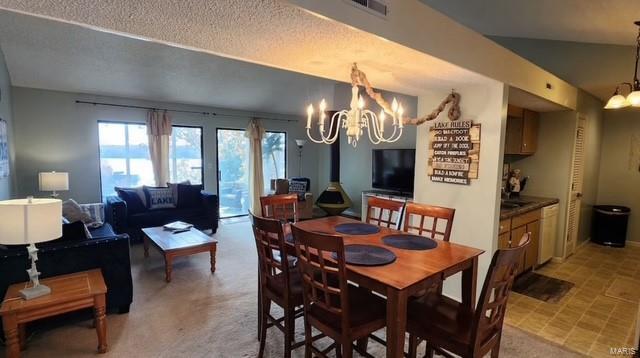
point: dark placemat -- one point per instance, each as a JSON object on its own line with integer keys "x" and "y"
{"x": 409, "y": 242}
{"x": 357, "y": 229}
{"x": 367, "y": 255}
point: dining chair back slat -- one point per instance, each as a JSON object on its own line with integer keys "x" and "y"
{"x": 384, "y": 212}
{"x": 282, "y": 207}
{"x": 270, "y": 244}
{"x": 324, "y": 281}
{"x": 492, "y": 306}
{"x": 434, "y": 222}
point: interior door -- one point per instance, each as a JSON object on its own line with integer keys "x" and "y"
{"x": 575, "y": 190}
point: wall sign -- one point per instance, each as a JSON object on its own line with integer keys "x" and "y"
{"x": 454, "y": 152}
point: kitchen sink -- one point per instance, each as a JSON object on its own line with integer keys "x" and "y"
{"x": 513, "y": 203}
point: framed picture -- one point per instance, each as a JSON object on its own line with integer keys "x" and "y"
{"x": 4, "y": 149}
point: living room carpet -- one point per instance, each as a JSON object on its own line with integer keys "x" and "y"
{"x": 203, "y": 315}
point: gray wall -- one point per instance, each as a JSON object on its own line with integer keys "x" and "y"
{"x": 52, "y": 132}
{"x": 550, "y": 167}
{"x": 619, "y": 170}
{"x": 6, "y": 184}
{"x": 355, "y": 163}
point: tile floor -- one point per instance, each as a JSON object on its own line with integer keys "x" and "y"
{"x": 586, "y": 319}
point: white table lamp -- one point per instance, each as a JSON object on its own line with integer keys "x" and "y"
{"x": 30, "y": 221}
{"x": 53, "y": 182}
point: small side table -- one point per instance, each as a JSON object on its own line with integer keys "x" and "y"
{"x": 68, "y": 293}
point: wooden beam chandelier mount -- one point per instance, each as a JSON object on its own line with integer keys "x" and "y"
{"x": 357, "y": 119}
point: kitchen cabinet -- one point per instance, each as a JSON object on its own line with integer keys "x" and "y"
{"x": 512, "y": 230}
{"x": 522, "y": 131}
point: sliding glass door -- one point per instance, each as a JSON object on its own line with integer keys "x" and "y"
{"x": 233, "y": 167}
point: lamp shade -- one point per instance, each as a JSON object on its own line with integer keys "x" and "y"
{"x": 29, "y": 221}
{"x": 634, "y": 98}
{"x": 53, "y": 181}
{"x": 301, "y": 142}
{"x": 617, "y": 101}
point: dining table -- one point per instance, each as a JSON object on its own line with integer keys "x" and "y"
{"x": 412, "y": 272}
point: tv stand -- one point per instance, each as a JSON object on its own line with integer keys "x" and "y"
{"x": 384, "y": 194}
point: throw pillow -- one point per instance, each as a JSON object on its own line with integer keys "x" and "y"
{"x": 189, "y": 196}
{"x": 159, "y": 198}
{"x": 132, "y": 198}
{"x": 96, "y": 212}
{"x": 174, "y": 189}
{"x": 72, "y": 211}
{"x": 298, "y": 187}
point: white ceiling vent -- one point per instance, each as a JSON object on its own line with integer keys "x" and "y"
{"x": 378, "y": 7}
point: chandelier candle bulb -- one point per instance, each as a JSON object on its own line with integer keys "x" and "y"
{"x": 358, "y": 119}
{"x": 309, "y": 115}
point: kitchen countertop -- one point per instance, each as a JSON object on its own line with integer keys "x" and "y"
{"x": 535, "y": 203}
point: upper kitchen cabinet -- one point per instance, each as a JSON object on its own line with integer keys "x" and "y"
{"x": 522, "y": 131}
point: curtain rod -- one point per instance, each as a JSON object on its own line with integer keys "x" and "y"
{"x": 179, "y": 111}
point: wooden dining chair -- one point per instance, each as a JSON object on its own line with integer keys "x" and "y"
{"x": 341, "y": 311}
{"x": 381, "y": 212}
{"x": 448, "y": 326}
{"x": 278, "y": 283}
{"x": 282, "y": 207}
{"x": 431, "y": 221}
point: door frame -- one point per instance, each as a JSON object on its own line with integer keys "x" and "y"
{"x": 567, "y": 251}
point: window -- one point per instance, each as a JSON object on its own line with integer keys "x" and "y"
{"x": 185, "y": 154}
{"x": 274, "y": 147}
{"x": 124, "y": 155}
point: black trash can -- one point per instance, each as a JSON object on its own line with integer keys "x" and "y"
{"x": 610, "y": 225}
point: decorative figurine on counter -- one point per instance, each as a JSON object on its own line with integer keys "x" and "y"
{"x": 516, "y": 184}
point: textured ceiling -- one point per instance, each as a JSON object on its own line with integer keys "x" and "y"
{"x": 594, "y": 21}
{"x": 267, "y": 32}
{"x": 42, "y": 53}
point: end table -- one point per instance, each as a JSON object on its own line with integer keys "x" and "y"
{"x": 68, "y": 293}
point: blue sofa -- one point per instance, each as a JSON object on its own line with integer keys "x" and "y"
{"x": 203, "y": 216}
{"x": 74, "y": 252}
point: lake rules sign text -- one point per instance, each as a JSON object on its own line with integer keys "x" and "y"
{"x": 454, "y": 152}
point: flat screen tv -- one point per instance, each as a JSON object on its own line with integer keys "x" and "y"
{"x": 393, "y": 169}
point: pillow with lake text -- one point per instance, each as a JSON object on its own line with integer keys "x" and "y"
{"x": 159, "y": 198}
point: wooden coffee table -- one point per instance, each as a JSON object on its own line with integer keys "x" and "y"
{"x": 181, "y": 244}
{"x": 68, "y": 293}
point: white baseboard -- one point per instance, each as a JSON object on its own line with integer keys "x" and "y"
{"x": 633, "y": 243}
{"x": 557, "y": 260}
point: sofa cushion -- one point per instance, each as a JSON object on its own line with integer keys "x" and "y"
{"x": 164, "y": 216}
{"x": 103, "y": 231}
{"x": 174, "y": 189}
{"x": 132, "y": 198}
{"x": 189, "y": 196}
{"x": 72, "y": 211}
{"x": 159, "y": 198}
{"x": 298, "y": 187}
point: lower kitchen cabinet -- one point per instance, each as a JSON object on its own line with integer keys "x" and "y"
{"x": 512, "y": 230}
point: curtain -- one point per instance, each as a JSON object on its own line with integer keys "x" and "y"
{"x": 255, "y": 133}
{"x": 159, "y": 132}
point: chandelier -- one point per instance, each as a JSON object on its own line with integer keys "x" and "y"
{"x": 633, "y": 99}
{"x": 357, "y": 119}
